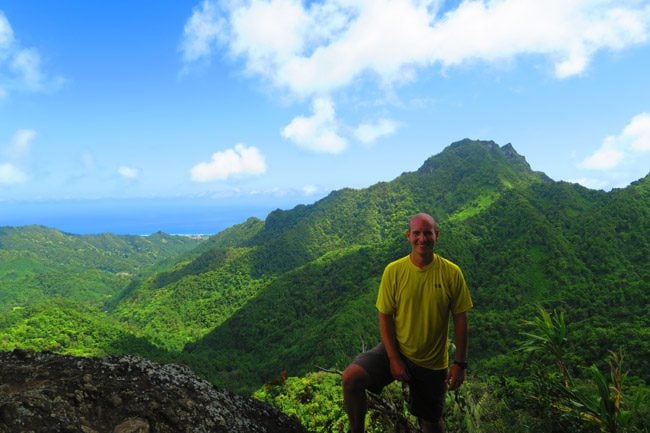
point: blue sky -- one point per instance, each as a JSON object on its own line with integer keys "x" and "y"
{"x": 267, "y": 100}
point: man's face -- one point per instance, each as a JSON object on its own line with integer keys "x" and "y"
{"x": 422, "y": 235}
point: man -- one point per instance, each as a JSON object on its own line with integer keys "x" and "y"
{"x": 416, "y": 296}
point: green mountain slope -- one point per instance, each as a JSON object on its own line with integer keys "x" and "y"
{"x": 182, "y": 304}
{"x": 55, "y": 288}
{"x": 308, "y": 276}
{"x": 39, "y": 263}
{"x": 71, "y": 328}
{"x": 296, "y": 291}
{"x": 287, "y": 240}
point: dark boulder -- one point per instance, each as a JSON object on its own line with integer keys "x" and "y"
{"x": 45, "y": 392}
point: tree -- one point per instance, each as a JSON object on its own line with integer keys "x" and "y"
{"x": 596, "y": 400}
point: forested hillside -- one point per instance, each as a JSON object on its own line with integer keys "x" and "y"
{"x": 39, "y": 263}
{"x": 521, "y": 239}
{"x": 296, "y": 291}
{"x": 55, "y": 287}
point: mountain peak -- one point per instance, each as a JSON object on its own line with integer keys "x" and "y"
{"x": 508, "y": 151}
{"x": 464, "y": 149}
{"x": 482, "y": 156}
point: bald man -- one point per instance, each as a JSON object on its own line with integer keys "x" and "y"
{"x": 417, "y": 295}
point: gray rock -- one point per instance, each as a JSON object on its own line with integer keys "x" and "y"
{"x": 45, "y": 392}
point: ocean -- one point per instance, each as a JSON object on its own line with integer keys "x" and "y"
{"x": 184, "y": 216}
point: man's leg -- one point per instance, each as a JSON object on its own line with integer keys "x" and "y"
{"x": 355, "y": 382}
{"x": 428, "y": 389}
{"x": 432, "y": 427}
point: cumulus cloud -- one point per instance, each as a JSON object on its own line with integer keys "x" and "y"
{"x": 16, "y": 151}
{"x": 317, "y": 132}
{"x": 323, "y": 46}
{"x": 10, "y": 174}
{"x": 637, "y": 133}
{"x": 315, "y": 50}
{"x": 20, "y": 67}
{"x": 606, "y": 157}
{"x": 239, "y": 161}
{"x": 368, "y": 133}
{"x": 128, "y": 172}
{"x": 633, "y": 139}
{"x": 201, "y": 33}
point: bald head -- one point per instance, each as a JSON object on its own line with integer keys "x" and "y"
{"x": 423, "y": 217}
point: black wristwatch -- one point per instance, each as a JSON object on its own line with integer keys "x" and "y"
{"x": 461, "y": 364}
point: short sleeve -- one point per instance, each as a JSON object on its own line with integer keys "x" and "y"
{"x": 462, "y": 300}
{"x": 386, "y": 297}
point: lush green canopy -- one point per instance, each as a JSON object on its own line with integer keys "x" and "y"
{"x": 296, "y": 291}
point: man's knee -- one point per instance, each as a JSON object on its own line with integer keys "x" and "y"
{"x": 355, "y": 378}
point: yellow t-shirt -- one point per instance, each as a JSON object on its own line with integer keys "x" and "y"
{"x": 421, "y": 301}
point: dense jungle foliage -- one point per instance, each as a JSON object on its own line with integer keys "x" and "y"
{"x": 295, "y": 293}
{"x": 38, "y": 264}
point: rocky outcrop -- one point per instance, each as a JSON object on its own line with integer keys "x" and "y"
{"x": 45, "y": 392}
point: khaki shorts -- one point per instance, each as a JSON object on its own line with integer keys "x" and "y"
{"x": 427, "y": 388}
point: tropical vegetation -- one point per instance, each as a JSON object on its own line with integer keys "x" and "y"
{"x": 559, "y": 275}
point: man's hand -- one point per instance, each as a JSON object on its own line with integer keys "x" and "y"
{"x": 455, "y": 377}
{"x": 398, "y": 370}
{"x": 397, "y": 366}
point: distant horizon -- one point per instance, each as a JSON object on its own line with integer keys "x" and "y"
{"x": 141, "y": 217}
{"x": 183, "y": 216}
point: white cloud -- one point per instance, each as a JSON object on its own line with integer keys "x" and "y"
{"x": 20, "y": 67}
{"x": 6, "y": 33}
{"x": 6, "y": 41}
{"x": 21, "y": 143}
{"x": 316, "y": 48}
{"x": 27, "y": 65}
{"x": 128, "y": 172}
{"x": 201, "y": 33}
{"x": 10, "y": 174}
{"x": 634, "y": 138}
{"x": 317, "y": 133}
{"x": 268, "y": 32}
{"x": 18, "y": 148}
{"x": 368, "y": 133}
{"x": 608, "y": 156}
{"x": 241, "y": 160}
{"x": 569, "y": 33}
{"x": 637, "y": 133}
{"x": 309, "y": 190}
{"x": 313, "y": 50}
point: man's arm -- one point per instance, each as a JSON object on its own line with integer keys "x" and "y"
{"x": 397, "y": 365}
{"x": 456, "y": 373}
